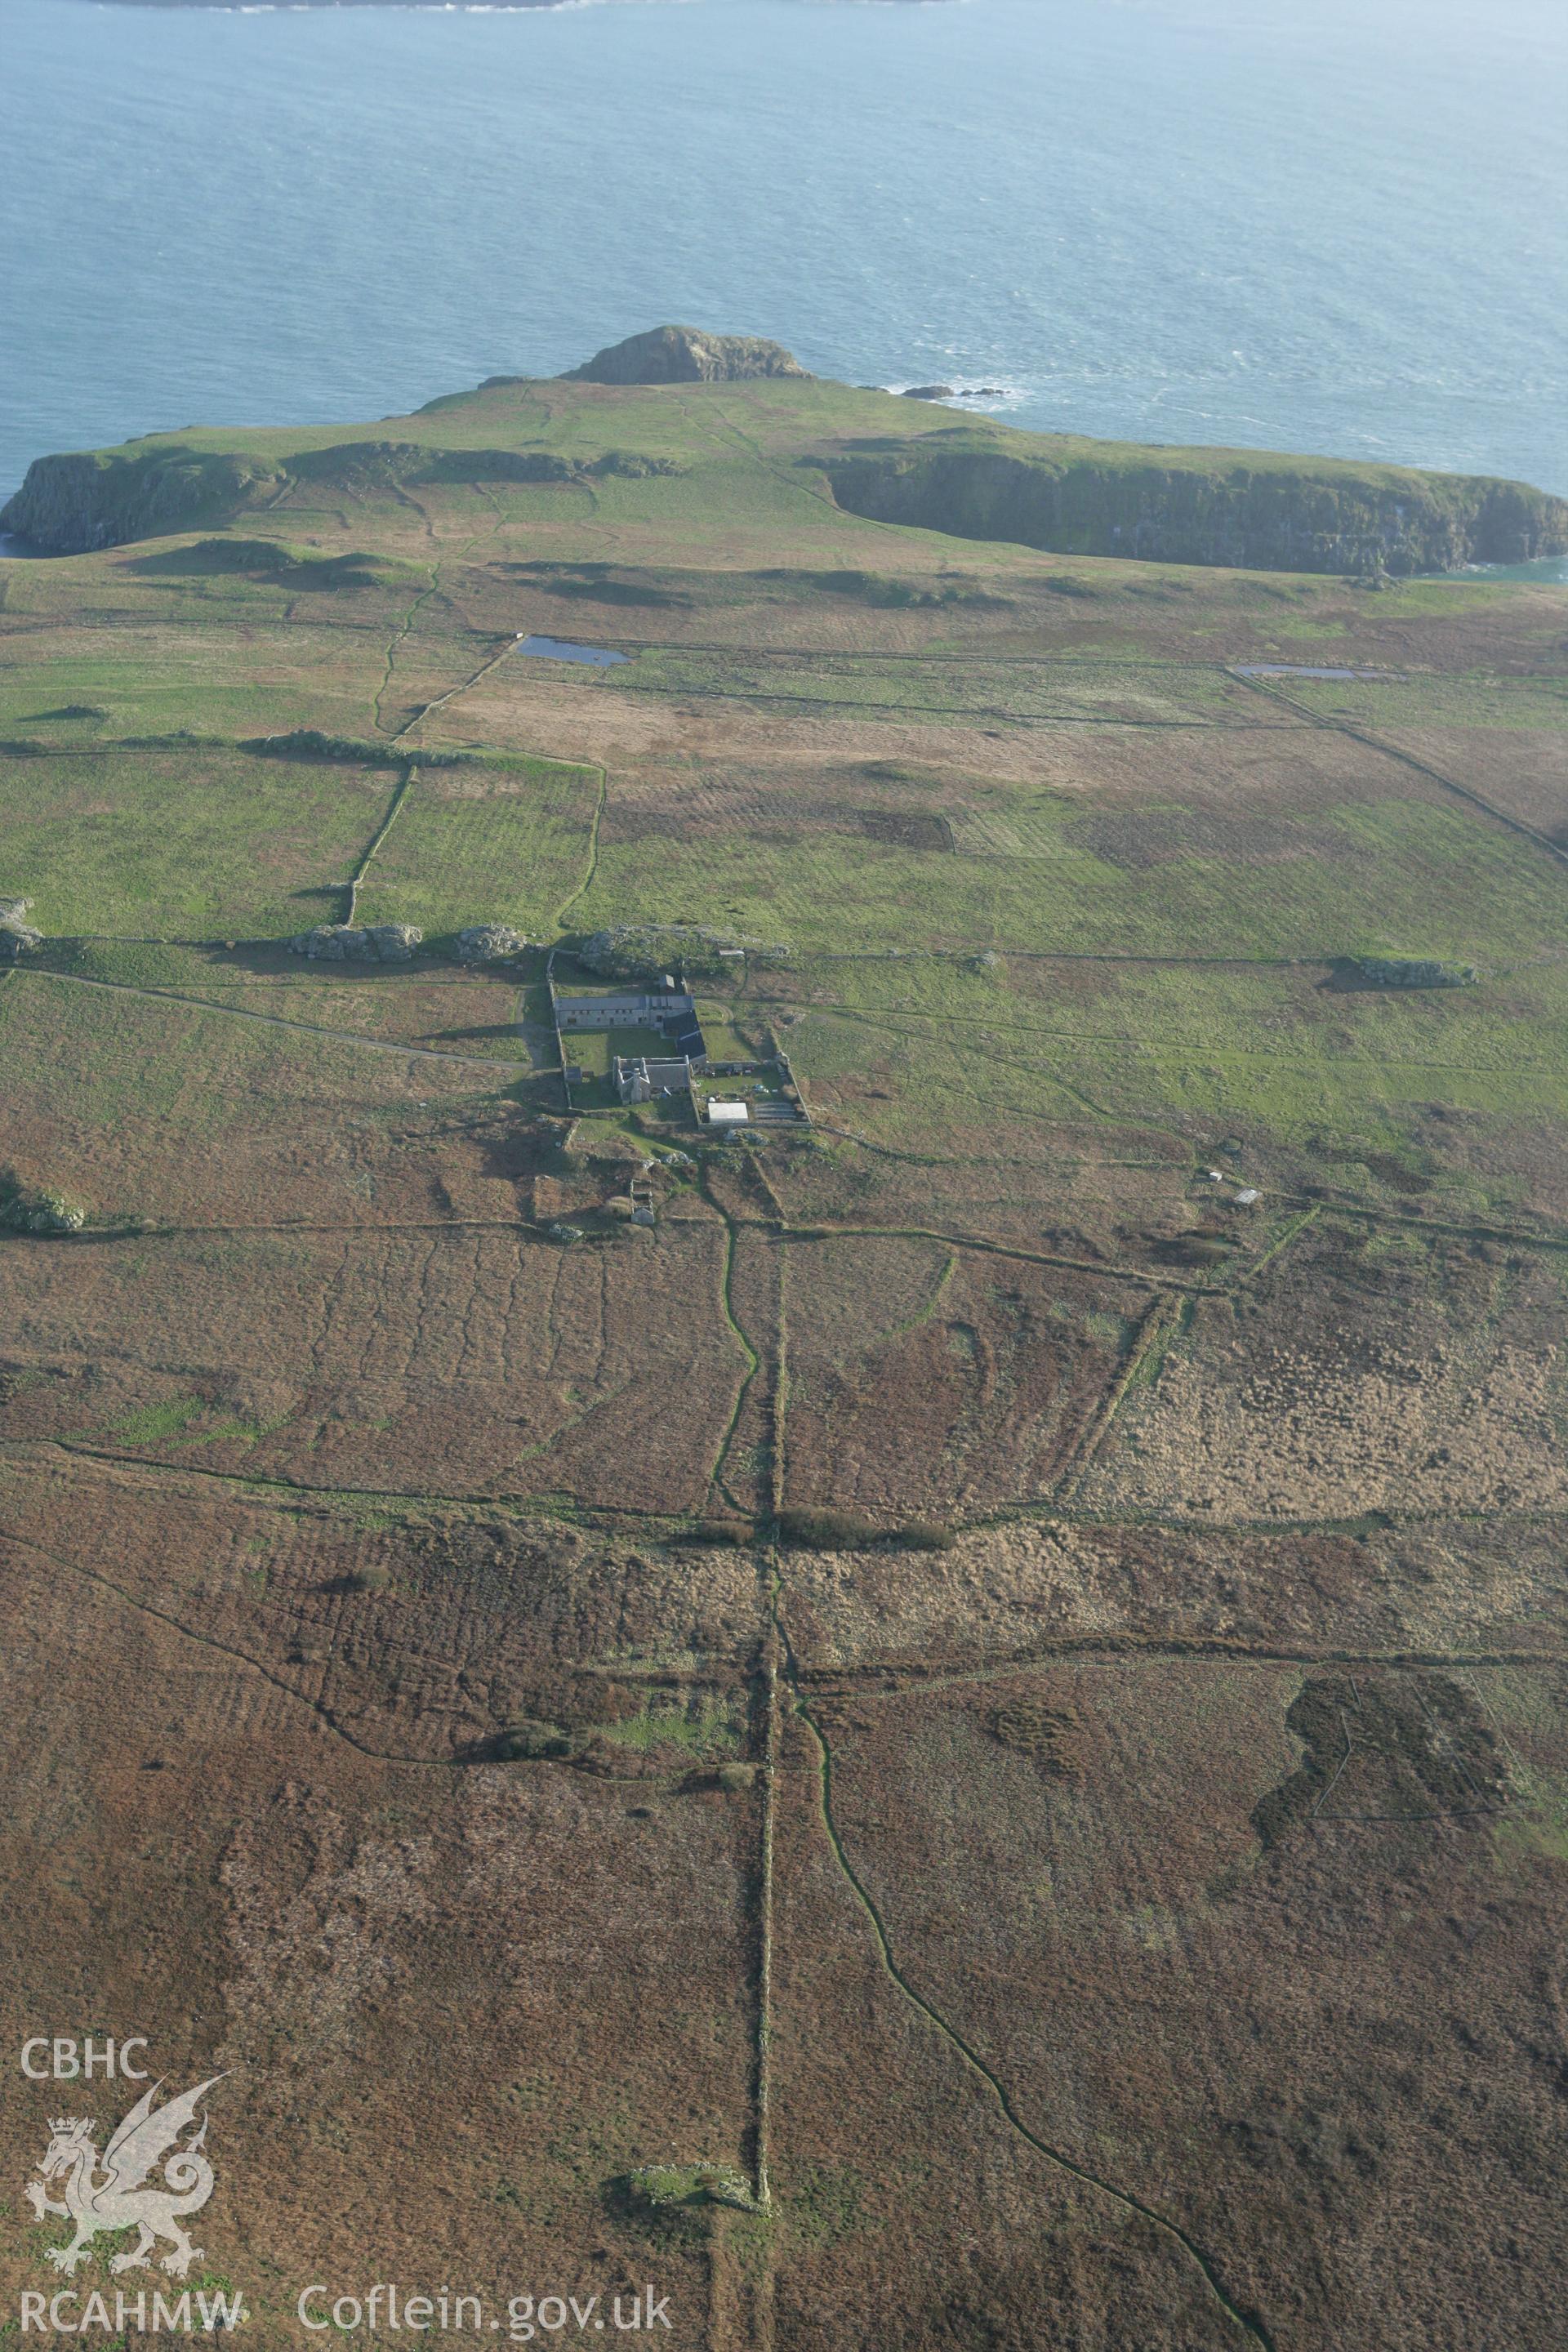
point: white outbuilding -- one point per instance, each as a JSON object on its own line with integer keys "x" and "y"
{"x": 727, "y": 1114}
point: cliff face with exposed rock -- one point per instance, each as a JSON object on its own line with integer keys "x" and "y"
{"x": 69, "y": 505}
{"x": 1216, "y": 506}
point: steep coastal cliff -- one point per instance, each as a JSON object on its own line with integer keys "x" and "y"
{"x": 69, "y": 505}
{"x": 1243, "y": 508}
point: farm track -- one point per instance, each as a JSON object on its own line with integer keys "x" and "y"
{"x": 1372, "y": 1212}
{"x": 772, "y": 1765}
{"x": 1514, "y": 1237}
{"x": 406, "y": 629}
{"x": 733, "y": 1226}
{"x": 1282, "y": 1241}
{"x": 441, "y": 700}
{"x": 716, "y": 1477}
{"x": 870, "y": 1683}
{"x": 1160, "y": 1322}
{"x": 979, "y": 1241}
{"x": 1249, "y": 2322}
{"x": 400, "y": 634}
{"x": 789, "y": 1234}
{"x": 896, "y": 1678}
{"x": 1103, "y": 1269}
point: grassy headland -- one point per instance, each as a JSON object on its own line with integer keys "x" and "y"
{"x": 865, "y": 453}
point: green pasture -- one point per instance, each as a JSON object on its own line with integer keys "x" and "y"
{"x": 506, "y": 844}
{"x": 1274, "y": 1053}
{"x": 1446, "y": 700}
{"x": 136, "y": 679}
{"x": 591, "y": 1051}
{"x": 204, "y": 842}
{"x": 1414, "y": 878}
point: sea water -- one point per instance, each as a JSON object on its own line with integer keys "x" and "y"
{"x": 1322, "y": 225}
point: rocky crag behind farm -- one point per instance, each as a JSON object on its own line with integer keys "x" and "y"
{"x": 976, "y": 479}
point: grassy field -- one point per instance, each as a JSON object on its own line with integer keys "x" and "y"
{"x": 232, "y": 680}
{"x": 1129, "y": 694}
{"x": 180, "y": 842}
{"x": 108, "y": 1062}
{"x": 918, "y": 1053}
{"x": 502, "y": 844}
{"x": 1514, "y": 704}
{"x": 1402, "y": 875}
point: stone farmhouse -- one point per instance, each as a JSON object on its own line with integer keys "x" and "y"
{"x": 669, "y": 1009}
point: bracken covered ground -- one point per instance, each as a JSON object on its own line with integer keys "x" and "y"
{"x": 1101, "y": 1882}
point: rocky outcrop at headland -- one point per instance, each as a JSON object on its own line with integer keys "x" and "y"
{"x": 1256, "y": 512}
{"x": 685, "y": 356}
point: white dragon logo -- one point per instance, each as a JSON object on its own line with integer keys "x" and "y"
{"x": 124, "y": 2199}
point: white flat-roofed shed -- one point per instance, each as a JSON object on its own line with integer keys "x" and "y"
{"x": 727, "y": 1114}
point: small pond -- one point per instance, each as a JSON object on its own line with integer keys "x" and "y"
{"x": 561, "y": 649}
{"x": 1301, "y": 669}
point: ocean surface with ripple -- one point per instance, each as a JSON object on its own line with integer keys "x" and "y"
{"x": 1336, "y": 226}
